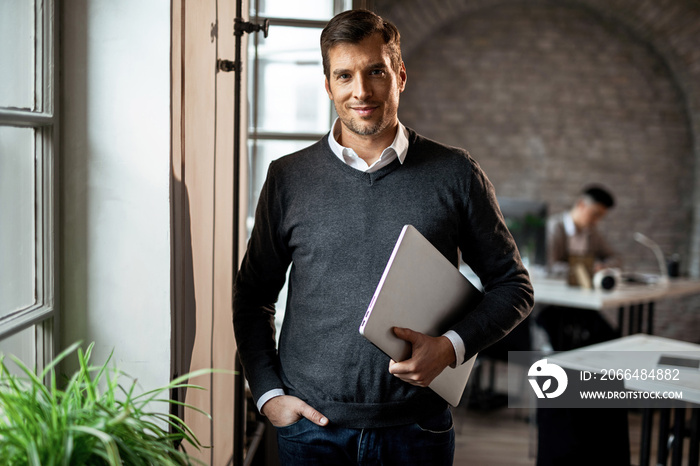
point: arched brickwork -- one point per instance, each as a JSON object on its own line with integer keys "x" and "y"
{"x": 638, "y": 130}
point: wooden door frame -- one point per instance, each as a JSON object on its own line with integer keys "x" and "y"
{"x": 207, "y": 230}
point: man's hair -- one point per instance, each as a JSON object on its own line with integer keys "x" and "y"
{"x": 600, "y": 195}
{"x": 352, "y": 27}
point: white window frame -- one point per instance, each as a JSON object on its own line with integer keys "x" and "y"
{"x": 254, "y": 134}
{"x": 41, "y": 316}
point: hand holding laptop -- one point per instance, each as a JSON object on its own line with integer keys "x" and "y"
{"x": 422, "y": 291}
{"x": 429, "y": 357}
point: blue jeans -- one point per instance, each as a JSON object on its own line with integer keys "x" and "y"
{"x": 430, "y": 442}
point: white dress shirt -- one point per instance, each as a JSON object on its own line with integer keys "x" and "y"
{"x": 578, "y": 240}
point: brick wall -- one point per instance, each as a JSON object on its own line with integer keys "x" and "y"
{"x": 549, "y": 97}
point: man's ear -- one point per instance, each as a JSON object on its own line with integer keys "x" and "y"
{"x": 328, "y": 89}
{"x": 402, "y": 77}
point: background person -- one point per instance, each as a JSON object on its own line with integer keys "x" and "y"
{"x": 575, "y": 233}
{"x": 565, "y": 435}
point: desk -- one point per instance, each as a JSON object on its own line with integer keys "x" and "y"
{"x": 644, "y": 350}
{"x": 626, "y": 296}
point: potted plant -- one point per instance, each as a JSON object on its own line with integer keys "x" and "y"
{"x": 90, "y": 419}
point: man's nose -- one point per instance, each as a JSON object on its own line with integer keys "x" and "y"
{"x": 362, "y": 89}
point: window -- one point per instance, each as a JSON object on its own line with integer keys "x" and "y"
{"x": 289, "y": 109}
{"x": 27, "y": 153}
{"x": 289, "y": 106}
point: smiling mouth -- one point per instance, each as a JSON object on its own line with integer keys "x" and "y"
{"x": 364, "y": 111}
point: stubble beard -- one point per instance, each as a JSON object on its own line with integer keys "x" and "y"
{"x": 361, "y": 129}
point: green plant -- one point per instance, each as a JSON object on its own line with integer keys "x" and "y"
{"x": 91, "y": 420}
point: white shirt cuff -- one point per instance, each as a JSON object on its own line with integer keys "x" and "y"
{"x": 267, "y": 396}
{"x": 458, "y": 345}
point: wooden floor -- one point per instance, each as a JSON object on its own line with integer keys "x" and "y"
{"x": 493, "y": 438}
{"x": 503, "y": 437}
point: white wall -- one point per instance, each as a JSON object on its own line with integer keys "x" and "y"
{"x": 115, "y": 167}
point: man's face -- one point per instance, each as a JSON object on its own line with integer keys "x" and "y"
{"x": 364, "y": 87}
{"x": 589, "y": 213}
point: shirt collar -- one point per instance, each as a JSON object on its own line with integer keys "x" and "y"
{"x": 399, "y": 147}
{"x": 569, "y": 225}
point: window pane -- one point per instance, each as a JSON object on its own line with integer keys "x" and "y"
{"x": 17, "y": 37}
{"x": 308, "y": 9}
{"x": 21, "y": 345}
{"x": 291, "y": 92}
{"x": 17, "y": 221}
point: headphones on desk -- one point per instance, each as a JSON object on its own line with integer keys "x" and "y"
{"x": 607, "y": 279}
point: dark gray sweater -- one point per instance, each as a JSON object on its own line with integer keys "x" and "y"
{"x": 337, "y": 227}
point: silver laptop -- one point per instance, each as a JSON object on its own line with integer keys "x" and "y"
{"x": 420, "y": 289}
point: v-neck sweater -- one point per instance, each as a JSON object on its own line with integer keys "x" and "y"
{"x": 337, "y": 227}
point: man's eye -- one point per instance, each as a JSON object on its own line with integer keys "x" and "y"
{"x": 377, "y": 72}
{"x": 343, "y": 76}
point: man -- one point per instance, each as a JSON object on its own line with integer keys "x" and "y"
{"x": 334, "y": 211}
{"x": 574, "y": 232}
{"x": 565, "y": 435}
